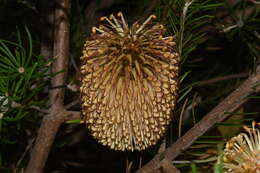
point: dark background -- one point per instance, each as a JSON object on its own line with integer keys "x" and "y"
{"x": 219, "y": 52}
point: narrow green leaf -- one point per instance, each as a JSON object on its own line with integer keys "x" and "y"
{"x": 30, "y": 46}
{"x": 17, "y": 86}
{"x": 193, "y": 168}
{"x": 18, "y": 57}
{"x": 184, "y": 76}
{"x": 8, "y": 53}
{"x": 6, "y": 141}
{"x": 73, "y": 121}
{"x": 184, "y": 94}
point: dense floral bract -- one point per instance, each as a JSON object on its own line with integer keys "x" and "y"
{"x": 129, "y": 82}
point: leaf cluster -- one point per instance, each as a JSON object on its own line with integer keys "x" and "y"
{"x": 23, "y": 76}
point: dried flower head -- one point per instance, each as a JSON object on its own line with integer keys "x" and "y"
{"x": 242, "y": 152}
{"x": 129, "y": 82}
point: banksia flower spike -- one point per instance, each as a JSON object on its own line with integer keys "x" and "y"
{"x": 242, "y": 152}
{"x": 129, "y": 82}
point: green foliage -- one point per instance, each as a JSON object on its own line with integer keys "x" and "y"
{"x": 203, "y": 28}
{"x": 23, "y": 76}
{"x": 185, "y": 19}
{"x": 20, "y": 71}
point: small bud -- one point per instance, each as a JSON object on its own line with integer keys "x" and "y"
{"x": 21, "y": 70}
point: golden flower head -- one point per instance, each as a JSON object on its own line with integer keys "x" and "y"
{"x": 129, "y": 82}
{"x": 242, "y": 152}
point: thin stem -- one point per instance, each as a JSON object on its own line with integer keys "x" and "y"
{"x": 230, "y": 104}
{"x": 182, "y": 25}
{"x": 219, "y": 79}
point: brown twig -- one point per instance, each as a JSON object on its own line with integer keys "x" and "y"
{"x": 60, "y": 52}
{"x": 28, "y": 147}
{"x": 71, "y": 104}
{"x": 18, "y": 105}
{"x": 168, "y": 167}
{"x": 230, "y": 104}
{"x": 219, "y": 79}
{"x": 52, "y": 121}
{"x": 71, "y": 115}
{"x": 39, "y": 109}
{"x": 44, "y": 140}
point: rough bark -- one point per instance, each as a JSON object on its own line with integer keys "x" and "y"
{"x": 52, "y": 121}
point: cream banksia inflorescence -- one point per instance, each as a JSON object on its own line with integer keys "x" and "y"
{"x": 242, "y": 152}
{"x": 129, "y": 82}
